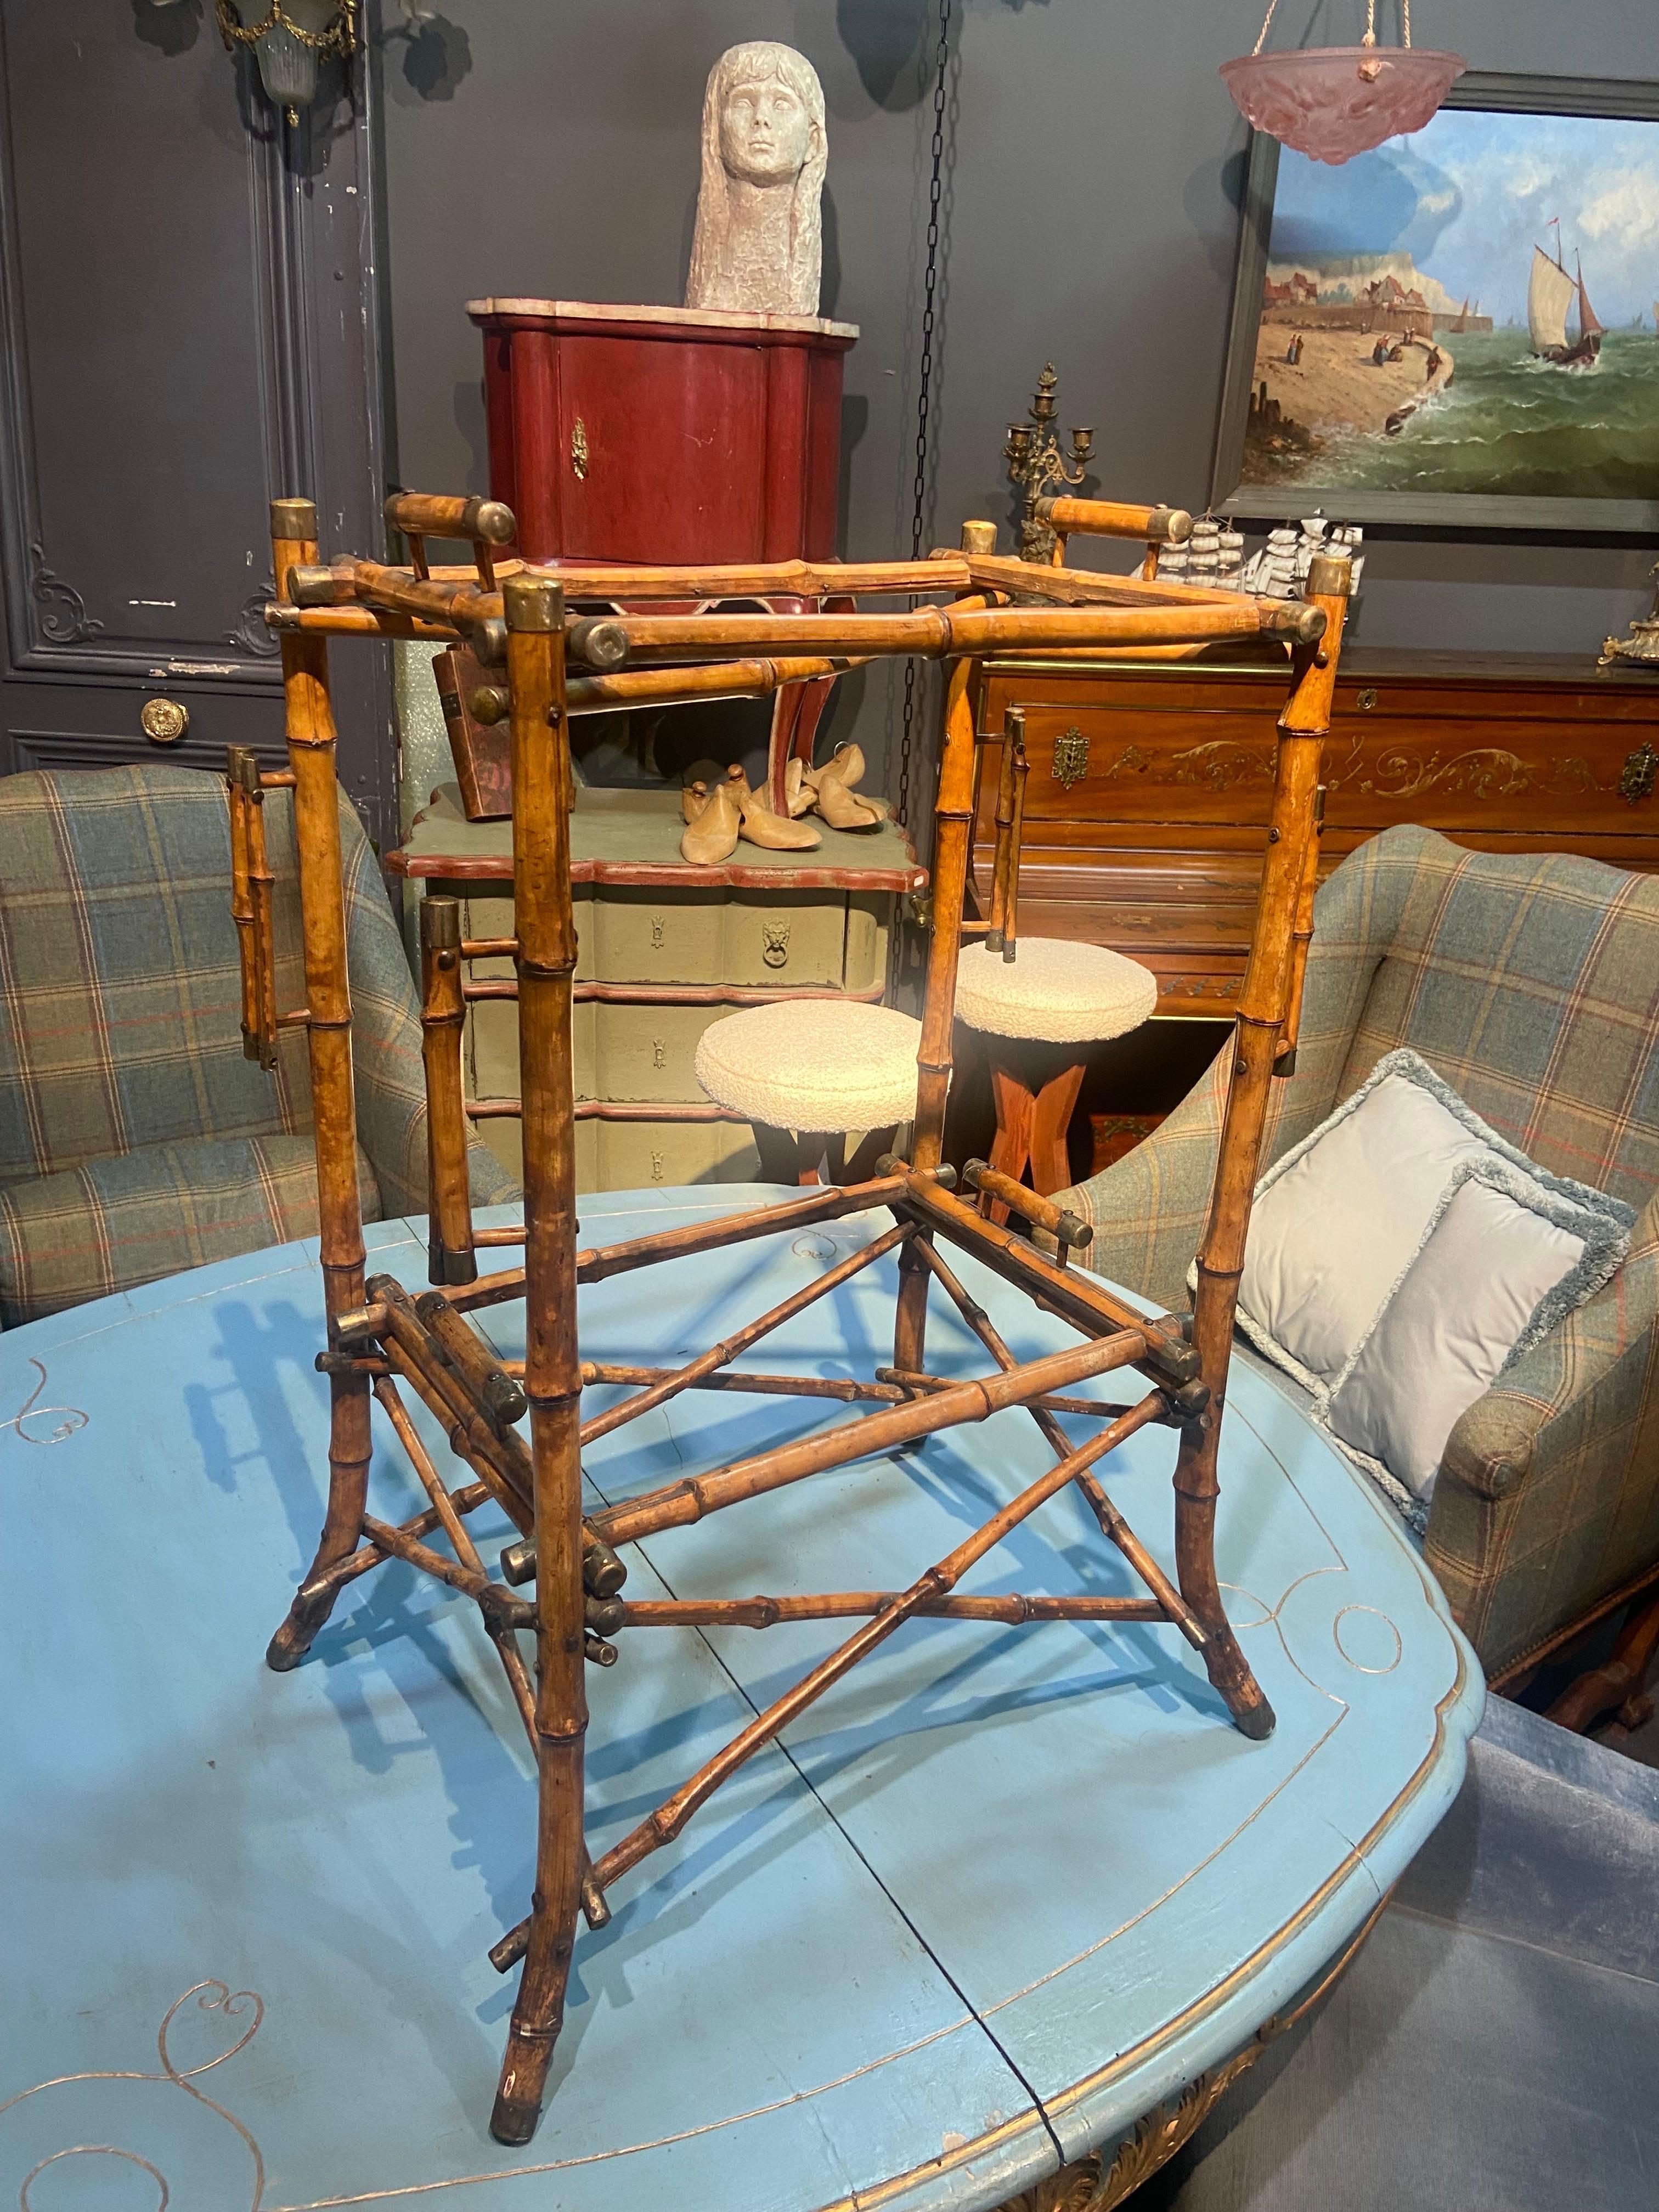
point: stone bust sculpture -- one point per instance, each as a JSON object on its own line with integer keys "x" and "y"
{"x": 758, "y": 245}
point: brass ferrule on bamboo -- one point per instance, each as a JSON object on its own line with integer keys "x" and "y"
{"x": 295, "y": 521}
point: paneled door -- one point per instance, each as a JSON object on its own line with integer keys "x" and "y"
{"x": 190, "y": 326}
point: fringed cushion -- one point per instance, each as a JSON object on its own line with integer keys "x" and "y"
{"x": 1053, "y": 992}
{"x": 820, "y": 1064}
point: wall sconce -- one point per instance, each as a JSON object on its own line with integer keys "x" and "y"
{"x": 289, "y": 39}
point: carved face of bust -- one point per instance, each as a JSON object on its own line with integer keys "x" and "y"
{"x": 766, "y": 133}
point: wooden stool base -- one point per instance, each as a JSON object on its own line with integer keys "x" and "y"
{"x": 1032, "y": 1127}
{"x": 806, "y": 1159}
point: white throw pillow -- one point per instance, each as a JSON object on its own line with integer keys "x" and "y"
{"x": 1504, "y": 1261}
{"x": 1337, "y": 1221}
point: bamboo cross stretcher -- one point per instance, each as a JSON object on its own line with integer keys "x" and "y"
{"x": 387, "y": 1348}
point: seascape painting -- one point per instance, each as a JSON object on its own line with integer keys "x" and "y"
{"x": 1470, "y": 313}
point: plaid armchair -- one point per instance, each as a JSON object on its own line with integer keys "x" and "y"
{"x": 134, "y": 1139}
{"x": 1528, "y": 982}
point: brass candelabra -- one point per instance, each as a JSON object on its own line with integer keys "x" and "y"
{"x": 1037, "y": 464}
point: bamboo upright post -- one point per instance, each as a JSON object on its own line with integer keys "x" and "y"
{"x": 242, "y": 770}
{"x": 953, "y": 819}
{"x": 1264, "y": 1008}
{"x": 310, "y": 719}
{"x": 1301, "y": 941}
{"x": 1011, "y": 901}
{"x": 534, "y": 611}
{"x": 452, "y": 1257}
{"x": 1014, "y": 733}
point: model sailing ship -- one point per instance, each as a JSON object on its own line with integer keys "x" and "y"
{"x": 1549, "y": 295}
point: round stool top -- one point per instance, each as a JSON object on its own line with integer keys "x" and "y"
{"x": 819, "y": 1065}
{"x": 1053, "y": 992}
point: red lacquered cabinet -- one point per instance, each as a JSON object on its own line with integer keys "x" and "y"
{"x": 663, "y": 435}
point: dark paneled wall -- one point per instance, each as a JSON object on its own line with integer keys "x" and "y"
{"x": 1094, "y": 166}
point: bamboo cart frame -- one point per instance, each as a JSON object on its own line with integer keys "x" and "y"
{"x": 385, "y": 1348}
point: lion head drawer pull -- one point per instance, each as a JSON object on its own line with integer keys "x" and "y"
{"x": 1636, "y": 779}
{"x": 774, "y": 944}
{"x": 1071, "y": 758}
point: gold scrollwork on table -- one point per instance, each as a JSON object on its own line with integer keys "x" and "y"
{"x": 579, "y": 451}
{"x": 70, "y": 1416}
{"x": 212, "y": 1996}
{"x": 1102, "y": 2181}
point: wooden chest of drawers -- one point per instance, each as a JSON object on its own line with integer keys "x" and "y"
{"x": 1147, "y": 801}
{"x": 663, "y": 950}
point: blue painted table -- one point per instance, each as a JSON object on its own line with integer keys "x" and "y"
{"x": 1001, "y": 1893}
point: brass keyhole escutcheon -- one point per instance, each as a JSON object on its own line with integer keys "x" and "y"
{"x": 1636, "y": 779}
{"x": 1366, "y": 699}
{"x": 1071, "y": 758}
{"x": 163, "y": 721}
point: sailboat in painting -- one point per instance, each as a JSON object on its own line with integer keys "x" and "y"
{"x": 1549, "y": 295}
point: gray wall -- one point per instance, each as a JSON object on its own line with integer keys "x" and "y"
{"x": 549, "y": 147}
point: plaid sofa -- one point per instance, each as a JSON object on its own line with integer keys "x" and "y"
{"x": 1531, "y": 984}
{"x": 134, "y": 1139}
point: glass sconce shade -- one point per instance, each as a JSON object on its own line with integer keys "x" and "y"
{"x": 289, "y": 39}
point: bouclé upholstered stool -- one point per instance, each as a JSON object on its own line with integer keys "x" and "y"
{"x": 1052, "y": 994}
{"x": 810, "y": 1072}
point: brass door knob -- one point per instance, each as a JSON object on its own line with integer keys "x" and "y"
{"x": 163, "y": 721}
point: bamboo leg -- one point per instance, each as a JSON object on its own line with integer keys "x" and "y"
{"x": 534, "y": 613}
{"x": 452, "y": 1258}
{"x": 1264, "y": 1004}
{"x": 322, "y": 901}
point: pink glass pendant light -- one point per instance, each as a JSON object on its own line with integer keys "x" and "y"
{"x": 1333, "y": 102}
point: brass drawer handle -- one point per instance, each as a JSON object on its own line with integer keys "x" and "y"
{"x": 163, "y": 721}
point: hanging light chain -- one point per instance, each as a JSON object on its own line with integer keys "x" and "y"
{"x": 930, "y": 283}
